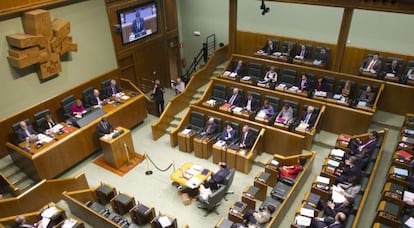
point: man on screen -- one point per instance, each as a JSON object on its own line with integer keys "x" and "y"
{"x": 138, "y": 25}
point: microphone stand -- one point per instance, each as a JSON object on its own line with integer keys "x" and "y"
{"x": 148, "y": 172}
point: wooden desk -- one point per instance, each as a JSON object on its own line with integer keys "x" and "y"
{"x": 185, "y": 141}
{"x": 249, "y": 197}
{"x": 273, "y": 170}
{"x": 231, "y": 158}
{"x": 235, "y": 214}
{"x": 203, "y": 147}
{"x": 219, "y": 152}
{"x": 51, "y": 160}
{"x": 179, "y": 175}
{"x": 119, "y": 150}
{"x": 261, "y": 182}
{"x": 244, "y": 160}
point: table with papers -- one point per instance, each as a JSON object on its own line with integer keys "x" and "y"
{"x": 190, "y": 175}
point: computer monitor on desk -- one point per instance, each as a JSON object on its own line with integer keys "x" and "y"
{"x": 88, "y": 117}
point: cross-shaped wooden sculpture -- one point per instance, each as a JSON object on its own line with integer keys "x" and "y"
{"x": 43, "y": 42}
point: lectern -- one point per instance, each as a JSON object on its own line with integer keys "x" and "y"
{"x": 117, "y": 148}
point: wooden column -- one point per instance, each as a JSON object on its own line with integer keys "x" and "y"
{"x": 342, "y": 38}
{"x": 232, "y": 26}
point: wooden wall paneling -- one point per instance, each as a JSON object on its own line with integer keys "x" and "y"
{"x": 397, "y": 98}
{"x": 249, "y": 42}
{"x": 232, "y": 26}
{"x": 13, "y": 8}
{"x": 171, "y": 19}
{"x": 53, "y": 104}
{"x": 174, "y": 58}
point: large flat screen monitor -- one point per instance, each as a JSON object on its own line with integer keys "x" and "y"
{"x": 138, "y": 21}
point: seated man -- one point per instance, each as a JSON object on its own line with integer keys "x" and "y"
{"x": 218, "y": 177}
{"x": 270, "y": 76}
{"x": 308, "y": 119}
{"x": 304, "y": 84}
{"x": 289, "y": 53}
{"x": 410, "y": 74}
{"x": 228, "y": 133}
{"x": 303, "y": 53}
{"x": 96, "y": 99}
{"x": 267, "y": 110}
{"x": 104, "y": 127}
{"x": 269, "y": 48}
{"x": 77, "y": 108}
{"x": 285, "y": 115}
{"x": 321, "y": 58}
{"x": 260, "y": 217}
{"x": 330, "y": 222}
{"x": 24, "y": 133}
{"x": 238, "y": 68}
{"x": 49, "y": 123}
{"x": 356, "y": 146}
{"x": 250, "y": 104}
{"x": 246, "y": 138}
{"x": 234, "y": 99}
{"x": 20, "y": 222}
{"x": 179, "y": 86}
{"x": 345, "y": 91}
{"x": 113, "y": 89}
{"x": 291, "y": 171}
{"x": 332, "y": 209}
{"x": 391, "y": 70}
{"x": 368, "y": 96}
{"x": 351, "y": 170}
{"x": 371, "y": 64}
{"x": 209, "y": 129}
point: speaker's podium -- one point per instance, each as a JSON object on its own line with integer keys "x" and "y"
{"x": 117, "y": 147}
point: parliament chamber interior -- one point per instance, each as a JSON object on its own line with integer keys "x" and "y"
{"x": 282, "y": 122}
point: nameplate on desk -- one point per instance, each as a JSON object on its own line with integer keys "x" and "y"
{"x": 89, "y": 117}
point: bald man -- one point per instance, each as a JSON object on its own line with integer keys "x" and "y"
{"x": 210, "y": 128}
{"x": 24, "y": 132}
{"x": 96, "y": 99}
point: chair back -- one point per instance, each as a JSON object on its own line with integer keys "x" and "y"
{"x": 215, "y": 197}
{"x": 219, "y": 92}
{"x": 86, "y": 95}
{"x": 197, "y": 120}
{"x": 106, "y": 88}
{"x": 229, "y": 179}
{"x": 39, "y": 118}
{"x": 67, "y": 104}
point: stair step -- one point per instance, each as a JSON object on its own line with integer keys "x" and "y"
{"x": 21, "y": 179}
{"x": 11, "y": 172}
{"x": 6, "y": 167}
{"x": 16, "y": 176}
{"x": 26, "y": 185}
{"x": 7, "y": 195}
{"x": 177, "y": 118}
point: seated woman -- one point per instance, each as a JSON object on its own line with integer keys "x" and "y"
{"x": 346, "y": 190}
{"x": 320, "y": 85}
{"x": 368, "y": 96}
{"x": 291, "y": 171}
{"x": 267, "y": 110}
{"x": 270, "y": 76}
{"x": 77, "y": 108}
{"x": 285, "y": 115}
{"x": 345, "y": 92}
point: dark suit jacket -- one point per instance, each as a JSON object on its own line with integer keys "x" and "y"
{"x": 389, "y": 69}
{"x": 339, "y": 207}
{"x": 349, "y": 172}
{"x": 236, "y": 101}
{"x": 377, "y": 64}
{"x": 46, "y": 126}
{"x": 210, "y": 129}
{"x": 220, "y": 175}
{"x": 21, "y": 134}
{"x": 254, "y": 104}
{"x": 93, "y": 100}
{"x": 328, "y": 222}
{"x": 267, "y": 49}
{"x": 101, "y": 130}
{"x": 224, "y": 135}
{"x": 307, "y": 85}
{"x": 306, "y": 55}
{"x": 312, "y": 119}
{"x": 249, "y": 140}
{"x": 111, "y": 91}
{"x": 322, "y": 57}
{"x": 240, "y": 71}
{"x": 138, "y": 27}
{"x": 369, "y": 98}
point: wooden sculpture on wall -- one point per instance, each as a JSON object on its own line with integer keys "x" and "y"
{"x": 43, "y": 42}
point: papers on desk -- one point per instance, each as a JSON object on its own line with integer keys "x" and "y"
{"x": 302, "y": 126}
{"x": 337, "y": 152}
{"x": 400, "y": 172}
{"x": 164, "y": 221}
{"x": 261, "y": 114}
{"x": 337, "y": 196}
{"x": 320, "y": 93}
{"x": 226, "y": 73}
{"x": 299, "y": 57}
{"x": 294, "y": 88}
{"x": 307, "y": 212}
{"x": 69, "y": 223}
{"x": 408, "y": 196}
{"x": 55, "y": 129}
{"x": 196, "y": 167}
{"x": 78, "y": 116}
{"x": 50, "y": 212}
{"x": 237, "y": 109}
{"x": 409, "y": 132}
{"x": 337, "y": 96}
{"x": 322, "y": 180}
{"x": 246, "y": 78}
{"x": 220, "y": 143}
{"x": 44, "y": 138}
{"x": 274, "y": 162}
{"x": 302, "y": 220}
{"x": 193, "y": 182}
{"x": 333, "y": 163}
{"x": 362, "y": 103}
{"x": 407, "y": 140}
{"x": 281, "y": 86}
{"x": 211, "y": 102}
{"x": 186, "y": 131}
{"x": 389, "y": 75}
{"x": 125, "y": 97}
{"x": 233, "y": 74}
{"x": 317, "y": 62}
{"x": 277, "y": 53}
{"x": 410, "y": 222}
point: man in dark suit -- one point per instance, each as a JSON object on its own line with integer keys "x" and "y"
{"x": 251, "y": 104}
{"x": 304, "y": 84}
{"x": 246, "y": 138}
{"x": 332, "y": 209}
{"x": 235, "y": 98}
{"x": 104, "y": 127}
{"x": 356, "y": 146}
{"x": 24, "y": 132}
{"x": 113, "y": 89}
{"x": 228, "y": 133}
{"x": 329, "y": 222}
{"x": 138, "y": 25}
{"x": 309, "y": 117}
{"x": 238, "y": 68}
{"x": 391, "y": 70}
{"x": 371, "y": 64}
{"x": 303, "y": 52}
{"x": 158, "y": 95}
{"x": 321, "y": 57}
{"x": 96, "y": 98}
{"x": 269, "y": 48}
{"x": 218, "y": 177}
{"x": 210, "y": 128}
{"x": 351, "y": 170}
{"x": 49, "y": 123}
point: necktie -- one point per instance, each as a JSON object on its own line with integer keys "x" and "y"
{"x": 249, "y": 105}
{"x": 50, "y": 124}
{"x": 371, "y": 65}
{"x": 27, "y": 132}
{"x": 307, "y": 118}
{"x": 232, "y": 99}
{"x": 302, "y": 53}
{"x": 244, "y": 139}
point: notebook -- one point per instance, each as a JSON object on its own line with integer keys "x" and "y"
{"x": 400, "y": 172}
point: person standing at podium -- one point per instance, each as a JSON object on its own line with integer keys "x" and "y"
{"x": 104, "y": 127}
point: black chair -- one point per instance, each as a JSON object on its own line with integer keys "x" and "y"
{"x": 106, "y": 88}
{"x": 329, "y": 84}
{"x": 197, "y": 121}
{"x": 142, "y": 214}
{"x": 388, "y": 63}
{"x": 288, "y": 77}
{"x": 285, "y": 45}
{"x": 219, "y": 93}
{"x": 122, "y": 203}
{"x": 257, "y": 97}
{"x": 213, "y": 200}
{"x": 255, "y": 71}
{"x": 67, "y": 103}
{"x": 281, "y": 190}
{"x": 104, "y": 193}
{"x": 40, "y": 119}
{"x": 99, "y": 208}
{"x": 228, "y": 181}
{"x": 87, "y": 95}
